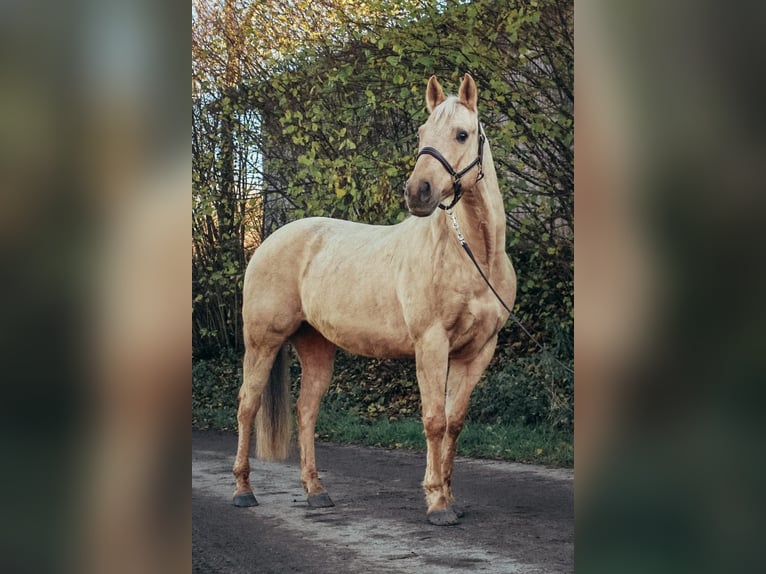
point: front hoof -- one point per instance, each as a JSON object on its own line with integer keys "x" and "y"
{"x": 245, "y": 499}
{"x": 321, "y": 500}
{"x": 446, "y": 517}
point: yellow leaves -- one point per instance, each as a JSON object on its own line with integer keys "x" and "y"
{"x": 232, "y": 40}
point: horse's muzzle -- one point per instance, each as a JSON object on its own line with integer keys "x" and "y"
{"x": 420, "y": 198}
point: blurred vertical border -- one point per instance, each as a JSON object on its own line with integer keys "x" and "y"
{"x": 669, "y": 331}
{"x": 95, "y": 332}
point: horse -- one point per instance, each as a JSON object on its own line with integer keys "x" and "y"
{"x": 404, "y": 290}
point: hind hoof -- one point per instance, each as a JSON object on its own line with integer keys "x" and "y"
{"x": 321, "y": 500}
{"x": 446, "y": 517}
{"x": 245, "y": 499}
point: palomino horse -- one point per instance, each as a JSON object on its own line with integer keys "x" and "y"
{"x": 383, "y": 291}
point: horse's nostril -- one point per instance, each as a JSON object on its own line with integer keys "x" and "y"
{"x": 424, "y": 191}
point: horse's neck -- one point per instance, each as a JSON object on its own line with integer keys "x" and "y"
{"x": 481, "y": 217}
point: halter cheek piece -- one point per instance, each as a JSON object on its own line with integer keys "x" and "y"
{"x": 457, "y": 186}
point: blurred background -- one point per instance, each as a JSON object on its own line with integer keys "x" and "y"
{"x": 94, "y": 242}
{"x": 669, "y": 340}
{"x": 96, "y": 328}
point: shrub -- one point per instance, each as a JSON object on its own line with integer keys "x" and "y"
{"x": 531, "y": 391}
{"x": 374, "y": 389}
{"x": 215, "y": 384}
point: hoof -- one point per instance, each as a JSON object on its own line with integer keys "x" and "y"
{"x": 321, "y": 500}
{"x": 446, "y": 517}
{"x": 245, "y": 499}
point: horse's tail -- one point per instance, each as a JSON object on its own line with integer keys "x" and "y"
{"x": 273, "y": 419}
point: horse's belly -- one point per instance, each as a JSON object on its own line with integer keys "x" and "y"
{"x": 372, "y": 327}
{"x": 366, "y": 337}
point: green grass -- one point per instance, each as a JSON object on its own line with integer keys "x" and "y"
{"x": 514, "y": 443}
{"x": 520, "y": 443}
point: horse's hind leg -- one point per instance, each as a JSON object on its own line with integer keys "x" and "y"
{"x": 256, "y": 368}
{"x": 317, "y": 356}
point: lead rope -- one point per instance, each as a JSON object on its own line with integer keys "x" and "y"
{"x": 516, "y": 320}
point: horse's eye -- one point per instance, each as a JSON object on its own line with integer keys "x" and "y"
{"x": 462, "y": 135}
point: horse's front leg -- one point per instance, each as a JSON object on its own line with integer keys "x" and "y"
{"x": 463, "y": 377}
{"x": 431, "y": 357}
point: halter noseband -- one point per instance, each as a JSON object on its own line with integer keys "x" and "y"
{"x": 457, "y": 186}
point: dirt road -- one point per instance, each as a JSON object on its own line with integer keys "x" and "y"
{"x": 518, "y": 518}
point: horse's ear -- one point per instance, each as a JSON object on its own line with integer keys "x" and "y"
{"x": 467, "y": 93}
{"x": 434, "y": 94}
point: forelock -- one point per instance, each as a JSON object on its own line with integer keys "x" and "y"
{"x": 446, "y": 110}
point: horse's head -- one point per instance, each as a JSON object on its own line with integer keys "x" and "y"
{"x": 451, "y": 145}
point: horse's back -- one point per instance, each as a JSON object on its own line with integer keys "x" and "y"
{"x": 293, "y": 246}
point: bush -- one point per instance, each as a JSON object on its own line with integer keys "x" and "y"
{"x": 215, "y": 385}
{"x": 374, "y": 389}
{"x": 531, "y": 390}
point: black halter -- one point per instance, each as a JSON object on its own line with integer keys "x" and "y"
{"x": 457, "y": 186}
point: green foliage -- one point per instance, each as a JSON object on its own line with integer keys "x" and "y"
{"x": 226, "y": 221}
{"x": 215, "y": 386}
{"x": 374, "y": 389}
{"x": 529, "y": 391}
{"x": 534, "y": 389}
{"x": 347, "y": 116}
